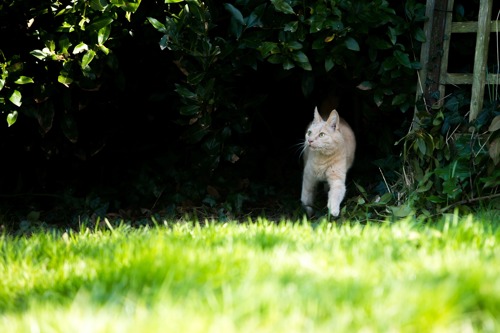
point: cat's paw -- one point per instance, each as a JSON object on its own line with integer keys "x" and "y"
{"x": 309, "y": 210}
{"x": 334, "y": 211}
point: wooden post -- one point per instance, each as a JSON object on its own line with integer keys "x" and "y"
{"x": 436, "y": 43}
{"x": 480, "y": 58}
{"x": 446, "y": 51}
{"x": 424, "y": 52}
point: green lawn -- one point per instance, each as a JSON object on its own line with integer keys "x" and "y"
{"x": 256, "y": 277}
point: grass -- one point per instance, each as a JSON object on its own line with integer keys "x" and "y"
{"x": 256, "y": 277}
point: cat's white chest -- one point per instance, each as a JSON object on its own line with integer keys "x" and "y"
{"x": 316, "y": 166}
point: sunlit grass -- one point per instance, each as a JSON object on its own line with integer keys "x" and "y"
{"x": 255, "y": 277}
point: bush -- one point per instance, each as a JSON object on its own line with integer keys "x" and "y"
{"x": 93, "y": 79}
{"x": 217, "y": 46}
{"x": 64, "y": 50}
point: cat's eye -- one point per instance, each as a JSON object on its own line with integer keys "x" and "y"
{"x": 309, "y": 133}
{"x": 321, "y": 134}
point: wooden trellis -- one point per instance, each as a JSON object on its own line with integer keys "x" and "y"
{"x": 434, "y": 75}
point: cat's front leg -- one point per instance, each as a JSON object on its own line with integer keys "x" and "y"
{"x": 307, "y": 197}
{"x": 335, "y": 196}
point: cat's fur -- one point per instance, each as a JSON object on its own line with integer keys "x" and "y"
{"x": 329, "y": 148}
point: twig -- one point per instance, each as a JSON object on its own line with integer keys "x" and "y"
{"x": 468, "y": 201}
{"x": 385, "y": 181}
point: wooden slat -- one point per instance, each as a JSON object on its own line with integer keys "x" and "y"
{"x": 446, "y": 51}
{"x": 467, "y": 78}
{"x": 480, "y": 58}
{"x": 457, "y": 78}
{"x": 466, "y": 27}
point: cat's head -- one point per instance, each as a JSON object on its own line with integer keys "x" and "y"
{"x": 324, "y": 136}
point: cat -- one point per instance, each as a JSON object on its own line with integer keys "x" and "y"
{"x": 329, "y": 148}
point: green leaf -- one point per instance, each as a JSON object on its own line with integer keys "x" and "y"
{"x": 451, "y": 188}
{"x": 301, "y": 59}
{"x": 352, "y": 44}
{"x": 317, "y": 22}
{"x": 420, "y": 35}
{"x": 235, "y": 28}
{"x": 15, "y": 98}
{"x": 436, "y": 199}
{"x": 24, "y": 80}
{"x": 399, "y": 99}
{"x": 495, "y": 124}
{"x": 267, "y": 48}
{"x": 401, "y": 211}
{"x": 378, "y": 98}
{"x": 294, "y": 45}
{"x": 288, "y": 64}
{"x": 189, "y": 110}
{"x": 87, "y": 58}
{"x": 64, "y": 80}
{"x": 66, "y": 27}
{"x": 402, "y": 58}
{"x": 173, "y": 1}
{"x": 421, "y": 146}
{"x": 385, "y": 199}
{"x": 11, "y": 118}
{"x": 2, "y": 83}
{"x": 51, "y": 45}
{"x": 416, "y": 65}
{"x": 103, "y": 34}
{"x": 104, "y": 49}
{"x": 131, "y": 7}
{"x": 80, "y": 48}
{"x": 329, "y": 63}
{"x": 196, "y": 78}
{"x": 282, "y": 6}
{"x": 235, "y": 13}
{"x": 39, "y": 54}
{"x": 185, "y": 92}
{"x": 164, "y": 42}
{"x": 64, "y": 44}
{"x": 391, "y": 32}
{"x": 253, "y": 20}
{"x": 128, "y": 6}
{"x": 157, "y": 25}
{"x": 365, "y": 85}
{"x": 494, "y": 150}
{"x": 99, "y": 5}
{"x": 291, "y": 26}
{"x": 100, "y": 23}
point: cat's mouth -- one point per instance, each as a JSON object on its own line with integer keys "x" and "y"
{"x": 312, "y": 146}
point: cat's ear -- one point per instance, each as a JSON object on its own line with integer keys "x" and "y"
{"x": 333, "y": 119}
{"x": 317, "y": 116}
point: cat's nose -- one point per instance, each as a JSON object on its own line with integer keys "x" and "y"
{"x": 310, "y": 141}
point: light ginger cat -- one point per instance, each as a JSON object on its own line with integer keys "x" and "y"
{"x": 329, "y": 148}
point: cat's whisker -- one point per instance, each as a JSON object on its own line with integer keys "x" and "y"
{"x": 300, "y": 148}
